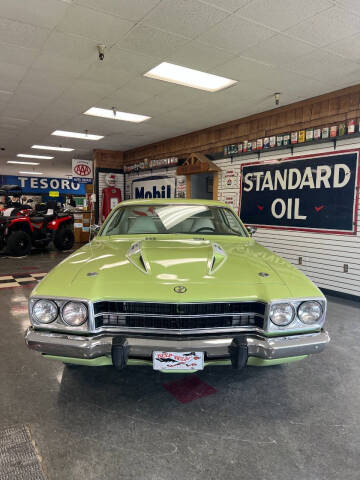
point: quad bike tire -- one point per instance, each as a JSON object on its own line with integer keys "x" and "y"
{"x": 19, "y": 243}
{"x": 64, "y": 239}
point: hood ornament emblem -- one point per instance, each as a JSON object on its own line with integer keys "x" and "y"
{"x": 180, "y": 289}
{"x": 263, "y": 274}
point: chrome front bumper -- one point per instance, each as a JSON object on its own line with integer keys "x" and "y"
{"x": 89, "y": 347}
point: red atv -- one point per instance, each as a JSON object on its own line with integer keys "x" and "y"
{"x": 19, "y": 232}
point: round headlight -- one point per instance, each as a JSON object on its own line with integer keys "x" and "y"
{"x": 309, "y": 312}
{"x": 74, "y": 313}
{"x": 45, "y": 311}
{"x": 281, "y": 314}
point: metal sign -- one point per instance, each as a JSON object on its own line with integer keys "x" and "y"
{"x": 82, "y": 170}
{"x": 42, "y": 185}
{"x": 317, "y": 193}
{"x": 159, "y": 186}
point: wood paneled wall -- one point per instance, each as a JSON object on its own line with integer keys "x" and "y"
{"x": 108, "y": 159}
{"x": 333, "y": 107}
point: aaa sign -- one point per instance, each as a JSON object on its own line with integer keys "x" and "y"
{"x": 315, "y": 193}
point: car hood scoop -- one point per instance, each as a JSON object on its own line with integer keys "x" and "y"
{"x": 159, "y": 257}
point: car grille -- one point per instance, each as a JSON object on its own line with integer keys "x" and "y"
{"x": 179, "y": 316}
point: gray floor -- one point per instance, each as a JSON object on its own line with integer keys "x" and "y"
{"x": 298, "y": 422}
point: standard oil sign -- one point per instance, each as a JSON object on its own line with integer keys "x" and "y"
{"x": 314, "y": 193}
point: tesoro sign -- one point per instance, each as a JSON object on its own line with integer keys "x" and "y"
{"x": 312, "y": 193}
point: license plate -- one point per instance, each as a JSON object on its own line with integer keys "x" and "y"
{"x": 178, "y": 360}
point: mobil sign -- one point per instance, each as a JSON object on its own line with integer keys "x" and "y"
{"x": 82, "y": 170}
{"x": 312, "y": 193}
{"x": 159, "y": 186}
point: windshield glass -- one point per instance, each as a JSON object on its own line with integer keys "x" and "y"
{"x": 168, "y": 219}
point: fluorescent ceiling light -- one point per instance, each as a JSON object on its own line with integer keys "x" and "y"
{"x": 42, "y": 157}
{"x": 23, "y": 163}
{"x": 48, "y": 147}
{"x": 189, "y": 77}
{"x": 84, "y": 136}
{"x": 32, "y": 173}
{"x": 116, "y": 115}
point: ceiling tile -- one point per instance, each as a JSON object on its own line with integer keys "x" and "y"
{"x": 199, "y": 56}
{"x": 22, "y": 34}
{"x": 327, "y": 27}
{"x": 98, "y": 26}
{"x": 125, "y": 98}
{"x": 349, "y": 48}
{"x": 85, "y": 90}
{"x": 25, "y": 106}
{"x": 10, "y": 76}
{"x": 324, "y": 67}
{"x": 44, "y": 84}
{"x": 351, "y": 5}
{"x": 149, "y": 41}
{"x": 184, "y": 17}
{"x": 103, "y": 73}
{"x": 282, "y": 14}
{"x": 17, "y": 55}
{"x": 71, "y": 46}
{"x": 228, "y": 5}
{"x": 131, "y": 61}
{"x": 128, "y": 9}
{"x": 235, "y": 34}
{"x": 70, "y": 66}
{"x": 278, "y": 50}
{"x": 43, "y": 13}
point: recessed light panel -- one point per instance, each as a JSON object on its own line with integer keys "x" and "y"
{"x": 58, "y": 149}
{"x": 41, "y": 157}
{"x": 23, "y": 163}
{"x": 188, "y": 77}
{"x": 83, "y": 136}
{"x": 32, "y": 173}
{"x": 114, "y": 114}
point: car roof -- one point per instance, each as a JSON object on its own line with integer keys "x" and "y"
{"x": 173, "y": 201}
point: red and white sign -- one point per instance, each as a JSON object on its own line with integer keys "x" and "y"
{"x": 82, "y": 170}
{"x": 230, "y": 179}
{"x": 178, "y": 360}
{"x": 231, "y": 199}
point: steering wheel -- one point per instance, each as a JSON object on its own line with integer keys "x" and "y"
{"x": 204, "y": 228}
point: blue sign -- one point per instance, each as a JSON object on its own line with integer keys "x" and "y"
{"x": 312, "y": 193}
{"x": 42, "y": 185}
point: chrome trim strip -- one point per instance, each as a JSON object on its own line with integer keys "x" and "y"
{"x": 181, "y": 315}
{"x": 99, "y": 345}
{"x": 177, "y": 332}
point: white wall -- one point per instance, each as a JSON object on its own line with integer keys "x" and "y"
{"x": 323, "y": 255}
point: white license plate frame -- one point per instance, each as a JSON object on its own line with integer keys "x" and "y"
{"x": 172, "y": 361}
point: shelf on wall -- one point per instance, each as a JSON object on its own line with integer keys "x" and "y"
{"x": 333, "y": 140}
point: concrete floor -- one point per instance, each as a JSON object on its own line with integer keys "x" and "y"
{"x": 298, "y": 422}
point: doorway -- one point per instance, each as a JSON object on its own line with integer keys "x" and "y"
{"x": 202, "y": 186}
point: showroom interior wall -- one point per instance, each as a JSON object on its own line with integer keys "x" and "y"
{"x": 323, "y": 256}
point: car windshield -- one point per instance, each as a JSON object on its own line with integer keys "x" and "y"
{"x": 169, "y": 219}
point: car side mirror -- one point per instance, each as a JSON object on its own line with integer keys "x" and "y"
{"x": 94, "y": 230}
{"x": 251, "y": 231}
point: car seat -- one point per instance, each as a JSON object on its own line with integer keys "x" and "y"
{"x": 142, "y": 225}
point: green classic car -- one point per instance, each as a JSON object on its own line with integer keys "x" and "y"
{"x": 177, "y": 285}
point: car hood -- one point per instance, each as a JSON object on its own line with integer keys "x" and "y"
{"x": 212, "y": 268}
